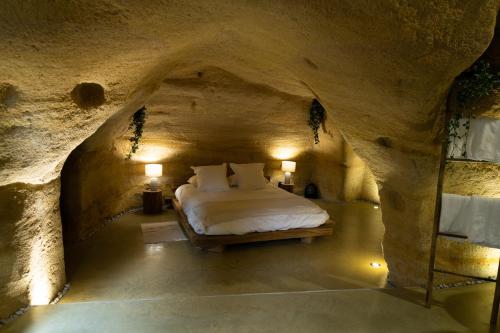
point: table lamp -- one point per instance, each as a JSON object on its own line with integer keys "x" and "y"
{"x": 154, "y": 171}
{"x": 288, "y": 167}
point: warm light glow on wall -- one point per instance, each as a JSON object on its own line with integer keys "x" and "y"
{"x": 491, "y": 268}
{"x": 148, "y": 153}
{"x": 284, "y": 153}
{"x": 40, "y": 286}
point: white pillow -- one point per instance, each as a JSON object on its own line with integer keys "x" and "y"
{"x": 193, "y": 180}
{"x": 249, "y": 176}
{"x": 232, "y": 180}
{"x": 211, "y": 178}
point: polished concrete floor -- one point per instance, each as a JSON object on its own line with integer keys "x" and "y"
{"x": 115, "y": 264}
{"x": 354, "y": 310}
{"x": 119, "y": 284}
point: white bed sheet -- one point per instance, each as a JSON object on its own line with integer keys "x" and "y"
{"x": 243, "y": 211}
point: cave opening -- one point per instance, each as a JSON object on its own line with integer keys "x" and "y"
{"x": 204, "y": 120}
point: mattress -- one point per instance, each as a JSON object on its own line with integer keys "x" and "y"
{"x": 239, "y": 212}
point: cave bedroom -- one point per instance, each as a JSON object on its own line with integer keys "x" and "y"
{"x": 249, "y": 166}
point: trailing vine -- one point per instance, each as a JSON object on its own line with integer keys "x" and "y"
{"x": 474, "y": 83}
{"x": 316, "y": 117}
{"x": 455, "y": 126}
{"x": 137, "y": 125}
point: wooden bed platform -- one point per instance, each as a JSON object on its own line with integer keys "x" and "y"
{"x": 217, "y": 243}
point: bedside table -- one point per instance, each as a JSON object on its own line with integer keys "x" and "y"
{"x": 152, "y": 201}
{"x": 286, "y": 187}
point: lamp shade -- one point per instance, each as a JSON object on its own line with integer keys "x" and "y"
{"x": 154, "y": 170}
{"x": 288, "y": 166}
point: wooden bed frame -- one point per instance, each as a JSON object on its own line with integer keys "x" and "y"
{"x": 216, "y": 243}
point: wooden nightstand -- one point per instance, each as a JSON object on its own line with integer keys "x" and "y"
{"x": 152, "y": 201}
{"x": 286, "y": 187}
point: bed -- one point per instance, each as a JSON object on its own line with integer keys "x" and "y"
{"x": 212, "y": 220}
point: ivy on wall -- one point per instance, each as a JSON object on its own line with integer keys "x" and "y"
{"x": 476, "y": 82}
{"x": 316, "y": 117}
{"x": 137, "y": 125}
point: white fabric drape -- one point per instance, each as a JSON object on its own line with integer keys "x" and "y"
{"x": 476, "y": 217}
{"x": 483, "y": 141}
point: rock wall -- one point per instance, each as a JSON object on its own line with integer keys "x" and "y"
{"x": 339, "y": 173}
{"x": 359, "y": 182}
{"x": 31, "y": 248}
{"x": 328, "y": 171}
{"x": 96, "y": 185}
{"x": 381, "y": 69}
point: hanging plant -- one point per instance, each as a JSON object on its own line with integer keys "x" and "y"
{"x": 457, "y": 128}
{"x": 316, "y": 117}
{"x": 137, "y": 125}
{"x": 474, "y": 83}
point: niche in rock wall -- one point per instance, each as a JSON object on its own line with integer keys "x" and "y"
{"x": 195, "y": 120}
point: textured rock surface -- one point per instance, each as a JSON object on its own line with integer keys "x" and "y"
{"x": 328, "y": 171}
{"x": 31, "y": 248}
{"x": 8, "y": 95}
{"x": 472, "y": 179}
{"x": 381, "y": 68}
{"x": 359, "y": 182}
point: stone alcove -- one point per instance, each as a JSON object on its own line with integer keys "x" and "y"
{"x": 207, "y": 119}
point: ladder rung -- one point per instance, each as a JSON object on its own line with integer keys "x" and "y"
{"x": 446, "y": 234}
{"x": 464, "y": 160}
{"x": 465, "y": 275}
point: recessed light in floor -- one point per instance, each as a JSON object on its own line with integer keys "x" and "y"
{"x": 375, "y": 206}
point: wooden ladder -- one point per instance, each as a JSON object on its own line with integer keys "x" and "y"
{"x": 436, "y": 233}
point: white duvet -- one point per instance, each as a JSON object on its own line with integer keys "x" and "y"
{"x": 242, "y": 211}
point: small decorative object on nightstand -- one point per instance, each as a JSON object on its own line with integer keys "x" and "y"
{"x": 311, "y": 191}
{"x": 152, "y": 201}
{"x": 286, "y": 187}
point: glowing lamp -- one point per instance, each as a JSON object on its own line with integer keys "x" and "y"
{"x": 375, "y": 265}
{"x": 288, "y": 167}
{"x": 154, "y": 171}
